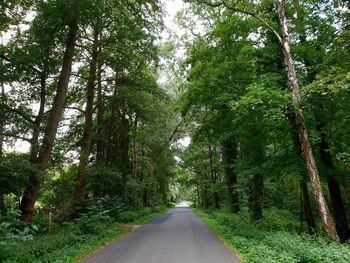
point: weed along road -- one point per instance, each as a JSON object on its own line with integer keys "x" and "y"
{"x": 178, "y": 236}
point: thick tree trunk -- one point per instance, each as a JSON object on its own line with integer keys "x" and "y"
{"x": 122, "y": 151}
{"x": 33, "y": 186}
{"x": 2, "y": 97}
{"x": 307, "y": 208}
{"x": 334, "y": 191}
{"x": 333, "y": 186}
{"x": 303, "y": 183}
{"x": 134, "y": 149}
{"x": 2, "y": 205}
{"x": 216, "y": 193}
{"x": 112, "y": 144}
{"x": 86, "y": 137}
{"x": 213, "y": 177}
{"x": 256, "y": 196}
{"x": 324, "y": 213}
{"x": 100, "y": 144}
{"x": 100, "y": 135}
{"x": 145, "y": 198}
{"x": 229, "y": 158}
{"x": 205, "y": 198}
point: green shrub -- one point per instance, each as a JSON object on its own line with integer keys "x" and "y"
{"x": 145, "y": 211}
{"x": 127, "y": 216}
{"x": 274, "y": 239}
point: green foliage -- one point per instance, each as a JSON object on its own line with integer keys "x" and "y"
{"x": 275, "y": 238}
{"x": 95, "y": 226}
{"x": 106, "y": 180}
{"x": 127, "y": 216}
{"x": 14, "y": 173}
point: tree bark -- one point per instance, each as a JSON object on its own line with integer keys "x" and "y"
{"x": 122, "y": 151}
{"x": 2, "y": 97}
{"x": 134, "y": 149}
{"x": 333, "y": 186}
{"x": 256, "y": 196}
{"x": 213, "y": 177}
{"x": 100, "y": 134}
{"x": 86, "y": 137}
{"x": 303, "y": 182}
{"x": 33, "y": 185}
{"x": 339, "y": 213}
{"x": 324, "y": 213}
{"x": 100, "y": 144}
{"x": 229, "y": 159}
{"x": 307, "y": 208}
{"x": 2, "y": 205}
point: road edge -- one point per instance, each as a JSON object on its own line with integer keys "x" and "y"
{"x": 124, "y": 232}
{"x": 224, "y": 240}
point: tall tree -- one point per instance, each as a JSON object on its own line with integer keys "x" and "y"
{"x": 285, "y": 41}
{"x": 33, "y": 186}
{"x": 85, "y": 141}
{"x": 229, "y": 156}
{"x": 324, "y": 213}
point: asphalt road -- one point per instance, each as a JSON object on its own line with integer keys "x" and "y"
{"x": 178, "y": 236}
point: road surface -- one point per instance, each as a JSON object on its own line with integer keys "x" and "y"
{"x": 178, "y": 236}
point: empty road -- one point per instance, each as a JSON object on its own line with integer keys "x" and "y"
{"x": 178, "y": 236}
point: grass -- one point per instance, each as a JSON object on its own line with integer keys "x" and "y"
{"x": 148, "y": 217}
{"x": 274, "y": 239}
{"x": 73, "y": 241}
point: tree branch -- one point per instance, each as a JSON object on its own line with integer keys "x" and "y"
{"x": 246, "y": 12}
{"x": 16, "y": 137}
{"x": 18, "y": 112}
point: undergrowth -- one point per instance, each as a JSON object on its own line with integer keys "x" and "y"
{"x": 74, "y": 239}
{"x": 273, "y": 239}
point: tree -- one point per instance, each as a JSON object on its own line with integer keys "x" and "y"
{"x": 33, "y": 186}
{"x": 324, "y": 213}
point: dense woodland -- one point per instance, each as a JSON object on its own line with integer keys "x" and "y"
{"x": 90, "y": 131}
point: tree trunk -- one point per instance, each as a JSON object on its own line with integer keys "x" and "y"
{"x": 134, "y": 149}
{"x": 2, "y": 97}
{"x": 2, "y": 205}
{"x": 100, "y": 134}
{"x": 307, "y": 208}
{"x": 205, "y": 197}
{"x": 33, "y": 186}
{"x": 100, "y": 144}
{"x": 213, "y": 177}
{"x": 256, "y": 196}
{"x": 326, "y": 159}
{"x": 303, "y": 183}
{"x": 229, "y": 159}
{"x": 339, "y": 213}
{"x": 122, "y": 151}
{"x": 216, "y": 193}
{"x": 86, "y": 138}
{"x": 324, "y": 213}
{"x": 113, "y": 130}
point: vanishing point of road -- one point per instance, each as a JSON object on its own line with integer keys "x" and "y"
{"x": 178, "y": 236}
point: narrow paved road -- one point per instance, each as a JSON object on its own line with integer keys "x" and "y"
{"x": 178, "y": 236}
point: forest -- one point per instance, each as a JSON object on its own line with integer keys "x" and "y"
{"x": 110, "y": 115}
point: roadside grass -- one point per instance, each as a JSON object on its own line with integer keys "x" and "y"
{"x": 274, "y": 239}
{"x": 75, "y": 240}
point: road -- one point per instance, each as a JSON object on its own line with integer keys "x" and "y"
{"x": 178, "y": 236}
